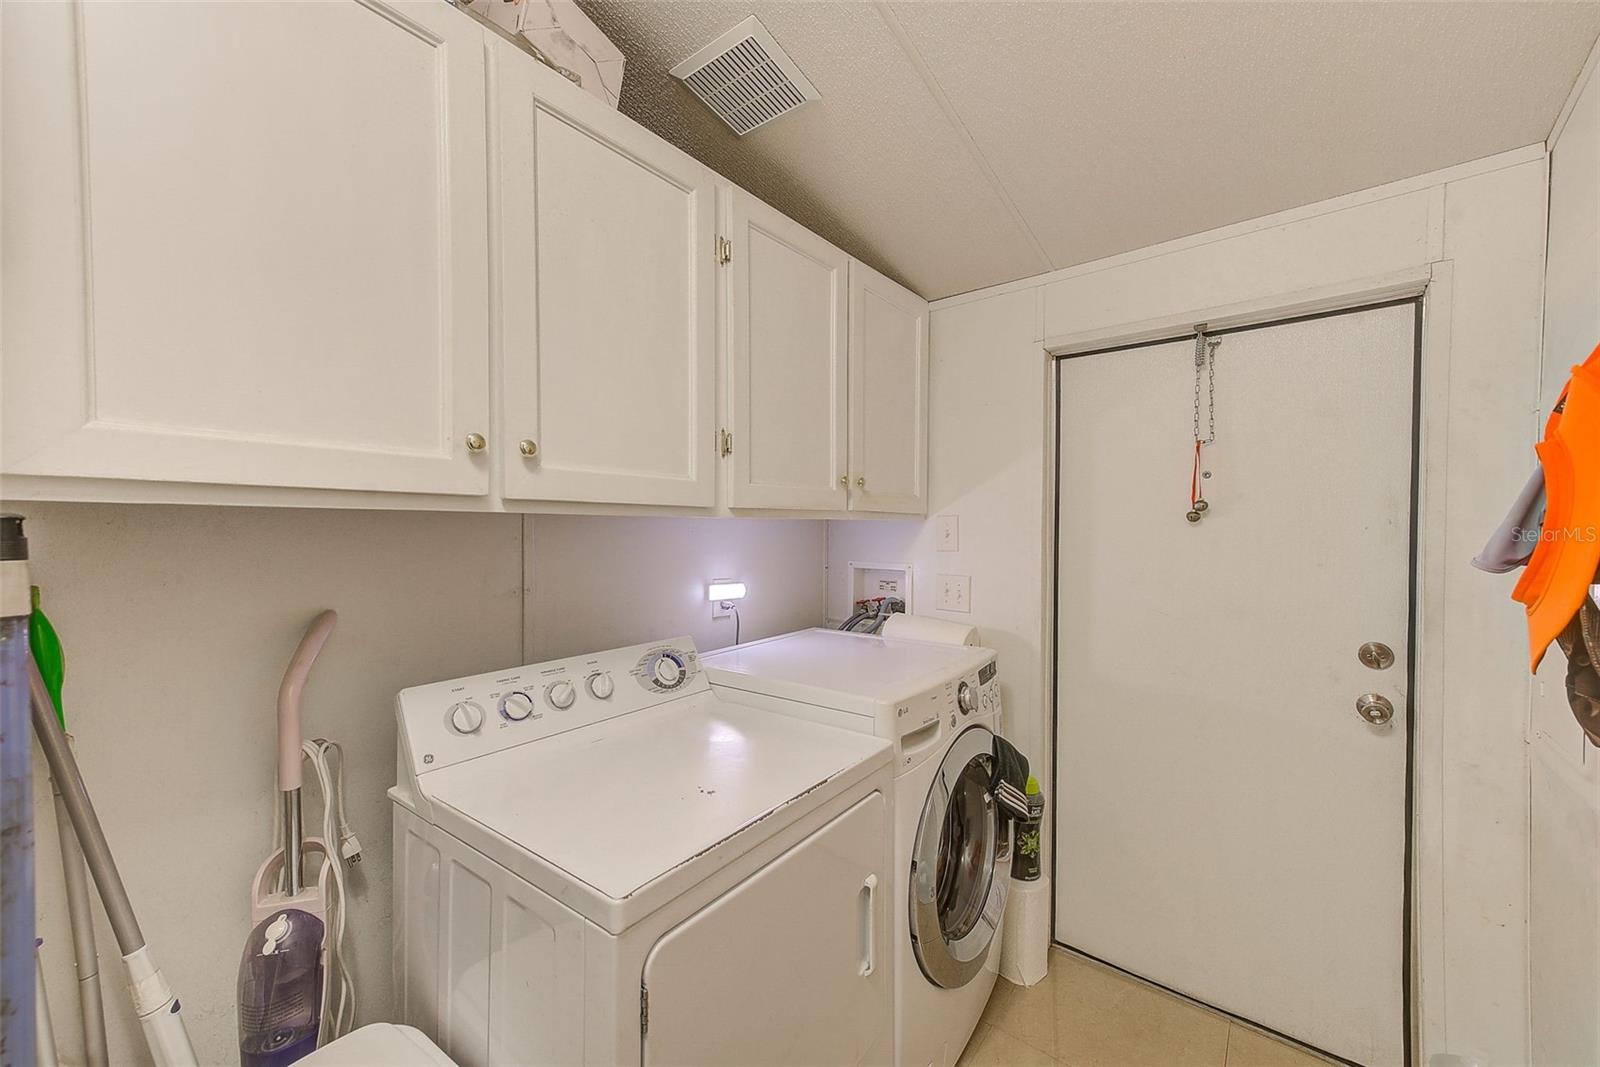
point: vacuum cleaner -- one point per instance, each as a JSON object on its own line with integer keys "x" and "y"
{"x": 293, "y": 959}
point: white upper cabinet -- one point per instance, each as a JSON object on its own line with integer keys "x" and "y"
{"x": 605, "y": 246}
{"x": 787, "y": 383}
{"x": 245, "y": 243}
{"x": 888, "y": 395}
{"x": 280, "y": 248}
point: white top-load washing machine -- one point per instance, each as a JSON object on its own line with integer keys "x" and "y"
{"x": 598, "y": 860}
{"x": 940, "y": 707}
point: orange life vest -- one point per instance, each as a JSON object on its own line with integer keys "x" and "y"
{"x": 1563, "y": 563}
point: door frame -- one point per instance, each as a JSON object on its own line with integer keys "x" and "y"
{"x": 1429, "y": 288}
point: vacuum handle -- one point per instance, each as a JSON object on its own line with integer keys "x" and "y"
{"x": 294, "y": 683}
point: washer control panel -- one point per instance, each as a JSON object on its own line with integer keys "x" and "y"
{"x": 448, "y": 722}
{"x": 988, "y": 700}
{"x": 973, "y": 693}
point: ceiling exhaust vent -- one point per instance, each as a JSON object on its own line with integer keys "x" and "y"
{"x": 746, "y": 78}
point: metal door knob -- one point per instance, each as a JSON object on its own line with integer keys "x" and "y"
{"x": 475, "y": 442}
{"x": 1375, "y": 708}
{"x": 844, "y": 481}
{"x": 527, "y": 447}
{"x": 861, "y": 483}
{"x": 1376, "y": 654}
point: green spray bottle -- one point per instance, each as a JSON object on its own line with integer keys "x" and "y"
{"x": 45, "y": 645}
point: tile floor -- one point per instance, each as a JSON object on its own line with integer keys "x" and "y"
{"x": 1086, "y": 1015}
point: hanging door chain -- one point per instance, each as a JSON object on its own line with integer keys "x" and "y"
{"x": 1205, "y": 365}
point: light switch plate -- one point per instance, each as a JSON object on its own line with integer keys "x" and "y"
{"x": 955, "y": 592}
{"x": 948, "y": 533}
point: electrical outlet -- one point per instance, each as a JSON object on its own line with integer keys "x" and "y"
{"x": 948, "y": 539}
{"x": 955, "y": 592}
{"x": 721, "y": 609}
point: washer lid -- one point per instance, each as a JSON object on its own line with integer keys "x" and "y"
{"x": 619, "y": 817}
{"x": 386, "y": 1043}
{"x": 832, "y": 668}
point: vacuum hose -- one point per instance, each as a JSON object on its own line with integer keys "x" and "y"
{"x": 289, "y": 740}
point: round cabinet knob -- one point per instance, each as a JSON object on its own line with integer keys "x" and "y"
{"x": 528, "y": 447}
{"x": 466, "y": 717}
{"x": 668, "y": 672}
{"x": 561, "y": 695}
{"x": 516, "y": 706}
{"x": 600, "y": 686}
{"x": 861, "y": 483}
{"x": 476, "y": 442}
{"x": 844, "y": 481}
{"x": 964, "y": 698}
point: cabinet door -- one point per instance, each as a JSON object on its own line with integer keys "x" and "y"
{"x": 888, "y": 395}
{"x": 244, "y": 243}
{"x": 790, "y": 966}
{"x": 605, "y": 254}
{"x": 787, "y": 312}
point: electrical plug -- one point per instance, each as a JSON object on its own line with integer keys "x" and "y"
{"x": 350, "y": 847}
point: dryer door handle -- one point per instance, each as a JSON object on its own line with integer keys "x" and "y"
{"x": 868, "y": 898}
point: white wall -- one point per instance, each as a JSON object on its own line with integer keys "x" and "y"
{"x": 987, "y": 411}
{"x": 602, "y": 582}
{"x": 1475, "y": 235}
{"x": 1565, "y": 905}
{"x": 178, "y": 622}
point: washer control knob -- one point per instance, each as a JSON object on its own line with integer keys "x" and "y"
{"x": 601, "y": 686}
{"x": 516, "y": 706}
{"x": 668, "y": 671}
{"x": 561, "y": 695}
{"x": 466, "y": 717}
{"x": 964, "y": 698}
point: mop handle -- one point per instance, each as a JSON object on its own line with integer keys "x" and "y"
{"x": 294, "y": 683}
{"x": 153, "y": 999}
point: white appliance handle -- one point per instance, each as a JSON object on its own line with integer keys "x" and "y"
{"x": 868, "y": 899}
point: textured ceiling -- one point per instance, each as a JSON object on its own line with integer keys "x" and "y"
{"x": 959, "y": 145}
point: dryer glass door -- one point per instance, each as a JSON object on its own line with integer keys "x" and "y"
{"x": 958, "y": 884}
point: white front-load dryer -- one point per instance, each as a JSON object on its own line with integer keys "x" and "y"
{"x": 940, "y": 705}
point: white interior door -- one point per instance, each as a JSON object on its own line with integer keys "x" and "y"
{"x": 1227, "y": 824}
{"x": 787, "y": 312}
{"x": 888, "y": 395}
{"x": 245, "y": 243}
{"x": 605, "y": 297}
{"x": 789, "y": 967}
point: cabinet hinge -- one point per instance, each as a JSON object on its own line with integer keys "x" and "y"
{"x": 725, "y": 442}
{"x": 644, "y": 1009}
{"x": 724, "y": 251}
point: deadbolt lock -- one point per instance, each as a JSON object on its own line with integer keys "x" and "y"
{"x": 1375, "y": 708}
{"x": 1376, "y": 654}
